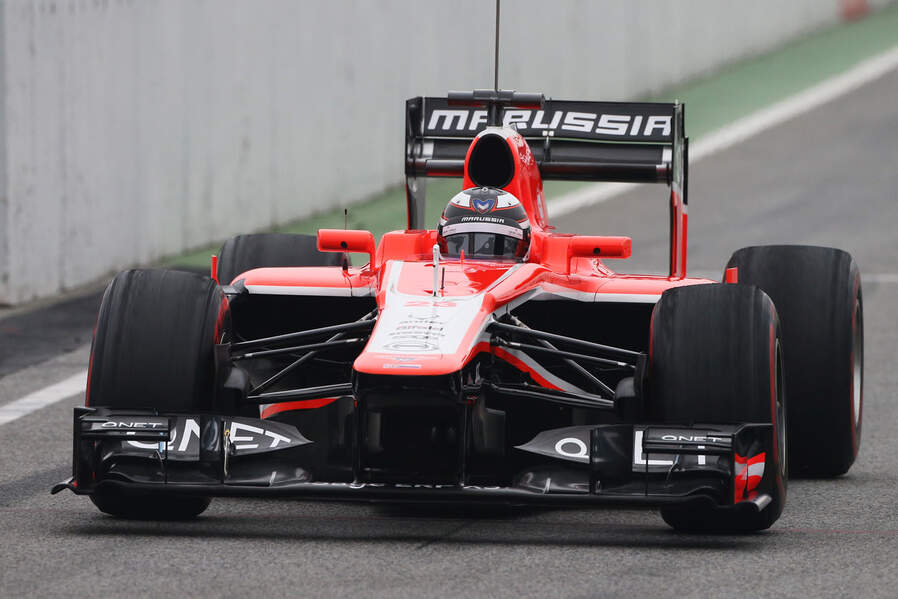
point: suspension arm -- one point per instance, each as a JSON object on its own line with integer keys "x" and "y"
{"x": 623, "y": 355}
{"x": 567, "y": 398}
{"x": 358, "y": 325}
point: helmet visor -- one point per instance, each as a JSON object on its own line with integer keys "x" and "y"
{"x": 484, "y": 245}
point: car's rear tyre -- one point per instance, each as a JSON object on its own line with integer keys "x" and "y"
{"x": 245, "y": 252}
{"x": 817, "y": 292}
{"x": 153, "y": 348}
{"x": 715, "y": 358}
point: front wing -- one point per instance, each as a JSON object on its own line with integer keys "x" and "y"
{"x": 726, "y": 467}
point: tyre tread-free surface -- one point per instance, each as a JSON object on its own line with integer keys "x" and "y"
{"x": 150, "y": 506}
{"x": 815, "y": 290}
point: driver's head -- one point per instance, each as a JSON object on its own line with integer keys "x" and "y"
{"x": 484, "y": 222}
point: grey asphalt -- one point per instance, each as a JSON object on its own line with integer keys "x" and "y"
{"x": 828, "y": 177}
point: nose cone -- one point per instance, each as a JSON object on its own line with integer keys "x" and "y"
{"x": 418, "y": 333}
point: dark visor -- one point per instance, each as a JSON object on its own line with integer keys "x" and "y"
{"x": 482, "y": 245}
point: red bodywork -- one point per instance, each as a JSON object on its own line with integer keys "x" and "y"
{"x": 425, "y": 333}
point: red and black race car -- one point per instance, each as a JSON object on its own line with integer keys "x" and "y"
{"x": 491, "y": 360}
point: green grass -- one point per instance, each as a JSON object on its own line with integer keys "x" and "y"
{"x": 712, "y": 102}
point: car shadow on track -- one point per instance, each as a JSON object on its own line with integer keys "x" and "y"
{"x": 426, "y": 526}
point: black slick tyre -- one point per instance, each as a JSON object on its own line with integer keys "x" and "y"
{"x": 153, "y": 348}
{"x": 817, "y": 292}
{"x": 245, "y": 252}
{"x": 715, "y": 357}
{"x": 150, "y": 506}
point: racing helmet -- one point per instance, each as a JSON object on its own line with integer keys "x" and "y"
{"x": 484, "y": 222}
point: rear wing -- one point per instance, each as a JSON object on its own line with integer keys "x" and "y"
{"x": 634, "y": 142}
{"x": 587, "y": 141}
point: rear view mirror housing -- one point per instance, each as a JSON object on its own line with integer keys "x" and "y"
{"x": 348, "y": 241}
{"x": 595, "y": 246}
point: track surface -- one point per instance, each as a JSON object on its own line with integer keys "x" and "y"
{"x": 828, "y": 177}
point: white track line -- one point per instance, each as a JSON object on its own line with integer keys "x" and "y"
{"x": 740, "y": 130}
{"x": 865, "y": 72}
{"x": 879, "y": 278}
{"x": 41, "y": 398}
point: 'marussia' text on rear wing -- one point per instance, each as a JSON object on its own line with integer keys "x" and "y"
{"x": 634, "y": 142}
{"x": 588, "y": 141}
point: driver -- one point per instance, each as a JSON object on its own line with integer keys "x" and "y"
{"x": 485, "y": 222}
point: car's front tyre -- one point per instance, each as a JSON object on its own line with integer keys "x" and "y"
{"x": 153, "y": 349}
{"x": 716, "y": 357}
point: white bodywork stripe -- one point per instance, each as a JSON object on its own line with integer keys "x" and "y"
{"x": 590, "y": 296}
{"x": 303, "y": 290}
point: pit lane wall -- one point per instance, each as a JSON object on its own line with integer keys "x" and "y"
{"x": 135, "y": 129}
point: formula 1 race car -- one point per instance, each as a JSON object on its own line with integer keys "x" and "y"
{"x": 491, "y": 360}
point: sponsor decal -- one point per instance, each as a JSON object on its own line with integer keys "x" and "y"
{"x": 131, "y": 426}
{"x": 142, "y": 425}
{"x": 694, "y": 438}
{"x": 698, "y": 439}
{"x": 595, "y": 120}
{"x": 416, "y": 333}
{"x": 427, "y": 304}
{"x": 572, "y": 443}
{"x": 572, "y": 447}
{"x": 569, "y": 443}
{"x": 247, "y": 436}
{"x": 641, "y": 462}
{"x": 244, "y": 436}
{"x": 420, "y": 325}
{"x": 482, "y": 219}
{"x": 184, "y": 440}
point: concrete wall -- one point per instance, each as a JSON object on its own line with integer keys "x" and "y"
{"x": 135, "y": 129}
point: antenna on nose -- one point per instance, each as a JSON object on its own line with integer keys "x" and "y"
{"x": 496, "y": 63}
